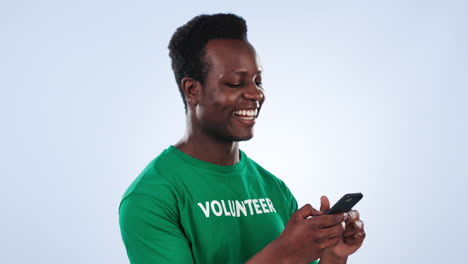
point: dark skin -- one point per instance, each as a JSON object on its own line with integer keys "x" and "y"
{"x": 305, "y": 239}
{"x": 232, "y": 83}
{"x": 214, "y": 128}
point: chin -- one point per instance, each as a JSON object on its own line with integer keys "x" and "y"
{"x": 235, "y": 136}
{"x": 242, "y": 138}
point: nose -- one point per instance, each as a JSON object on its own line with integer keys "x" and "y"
{"x": 254, "y": 92}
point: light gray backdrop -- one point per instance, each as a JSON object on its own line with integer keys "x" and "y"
{"x": 363, "y": 95}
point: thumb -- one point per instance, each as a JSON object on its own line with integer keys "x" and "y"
{"x": 324, "y": 204}
{"x": 305, "y": 211}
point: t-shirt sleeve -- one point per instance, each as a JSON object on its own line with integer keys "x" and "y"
{"x": 294, "y": 205}
{"x": 290, "y": 199}
{"x": 151, "y": 232}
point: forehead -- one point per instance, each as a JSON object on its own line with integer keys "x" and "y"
{"x": 232, "y": 55}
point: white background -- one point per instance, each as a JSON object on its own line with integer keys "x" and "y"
{"x": 366, "y": 96}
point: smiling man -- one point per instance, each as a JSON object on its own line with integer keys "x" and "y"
{"x": 203, "y": 200}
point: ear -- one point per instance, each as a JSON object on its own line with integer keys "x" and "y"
{"x": 191, "y": 89}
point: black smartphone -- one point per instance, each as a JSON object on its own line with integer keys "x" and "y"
{"x": 345, "y": 203}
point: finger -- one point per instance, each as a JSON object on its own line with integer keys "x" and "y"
{"x": 334, "y": 231}
{"x": 353, "y": 216}
{"x": 324, "y": 204}
{"x": 355, "y": 239}
{"x": 325, "y": 221}
{"x": 331, "y": 242}
{"x": 355, "y": 227}
{"x": 305, "y": 211}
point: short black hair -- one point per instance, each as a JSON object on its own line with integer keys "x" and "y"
{"x": 187, "y": 45}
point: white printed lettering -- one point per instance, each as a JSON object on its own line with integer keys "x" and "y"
{"x": 257, "y": 206}
{"x": 270, "y": 205}
{"x": 249, "y": 203}
{"x": 206, "y": 210}
{"x": 232, "y": 208}
{"x": 237, "y": 208}
{"x": 240, "y": 206}
{"x": 226, "y": 213}
{"x": 264, "y": 205}
{"x": 219, "y": 211}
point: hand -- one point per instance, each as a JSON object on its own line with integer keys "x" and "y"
{"x": 305, "y": 239}
{"x": 352, "y": 238}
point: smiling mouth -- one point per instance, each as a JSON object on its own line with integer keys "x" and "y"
{"x": 248, "y": 114}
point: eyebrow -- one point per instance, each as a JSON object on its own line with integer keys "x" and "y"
{"x": 242, "y": 72}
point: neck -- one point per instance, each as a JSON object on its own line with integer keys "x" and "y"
{"x": 202, "y": 147}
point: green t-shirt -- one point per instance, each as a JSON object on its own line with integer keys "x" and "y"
{"x": 184, "y": 210}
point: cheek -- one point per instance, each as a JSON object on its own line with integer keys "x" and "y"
{"x": 215, "y": 110}
{"x": 224, "y": 102}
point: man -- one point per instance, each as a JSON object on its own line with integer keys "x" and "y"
{"x": 203, "y": 200}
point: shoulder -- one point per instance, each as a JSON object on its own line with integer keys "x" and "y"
{"x": 275, "y": 185}
{"x": 266, "y": 175}
{"x": 154, "y": 180}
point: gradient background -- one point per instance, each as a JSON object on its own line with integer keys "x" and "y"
{"x": 366, "y": 96}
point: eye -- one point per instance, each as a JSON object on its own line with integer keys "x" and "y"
{"x": 234, "y": 85}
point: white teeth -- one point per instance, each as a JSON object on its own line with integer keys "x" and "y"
{"x": 247, "y": 113}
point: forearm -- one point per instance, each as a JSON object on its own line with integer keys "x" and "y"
{"x": 272, "y": 253}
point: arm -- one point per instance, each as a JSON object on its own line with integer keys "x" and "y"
{"x": 151, "y": 232}
{"x": 323, "y": 236}
{"x": 304, "y": 239}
